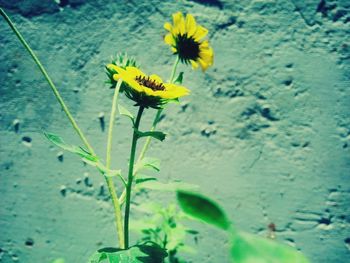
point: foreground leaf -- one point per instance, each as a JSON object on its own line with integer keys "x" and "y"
{"x": 201, "y": 207}
{"x": 148, "y": 162}
{"x": 179, "y": 78}
{"x": 247, "y": 248}
{"x": 169, "y": 187}
{"x": 125, "y": 112}
{"x": 144, "y": 179}
{"x": 155, "y": 134}
{"x": 146, "y": 253}
{"x": 58, "y": 141}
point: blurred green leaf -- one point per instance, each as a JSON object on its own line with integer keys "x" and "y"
{"x": 169, "y": 187}
{"x": 179, "y": 78}
{"x": 247, "y": 248}
{"x": 146, "y": 253}
{"x": 201, "y": 207}
{"x": 148, "y": 162}
{"x": 58, "y": 141}
{"x": 155, "y": 134}
{"x": 125, "y": 112}
{"x": 144, "y": 179}
{"x": 59, "y": 260}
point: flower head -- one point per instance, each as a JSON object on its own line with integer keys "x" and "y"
{"x": 147, "y": 91}
{"x": 121, "y": 60}
{"x": 186, "y": 40}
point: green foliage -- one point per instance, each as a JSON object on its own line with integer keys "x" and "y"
{"x": 155, "y": 134}
{"x": 202, "y": 208}
{"x": 59, "y": 260}
{"x": 58, "y": 141}
{"x": 247, "y": 248}
{"x": 123, "y": 111}
{"x": 164, "y": 227}
{"x": 148, "y": 162}
{"x": 146, "y": 253}
{"x": 168, "y": 187}
{"x": 179, "y": 78}
{"x": 121, "y": 60}
{"x": 144, "y": 179}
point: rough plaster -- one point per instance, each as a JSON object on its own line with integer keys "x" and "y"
{"x": 266, "y": 130}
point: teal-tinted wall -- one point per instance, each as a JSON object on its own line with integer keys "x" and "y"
{"x": 265, "y": 131}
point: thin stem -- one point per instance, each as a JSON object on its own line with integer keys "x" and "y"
{"x": 154, "y": 125}
{"x": 111, "y": 123}
{"x": 111, "y": 187}
{"x": 148, "y": 140}
{"x": 130, "y": 176}
{"x": 173, "y": 71}
{"x": 52, "y": 85}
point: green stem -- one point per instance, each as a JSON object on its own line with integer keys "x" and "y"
{"x": 154, "y": 125}
{"x": 173, "y": 71}
{"x": 148, "y": 140}
{"x": 53, "y": 87}
{"x": 130, "y": 176}
{"x": 111, "y": 187}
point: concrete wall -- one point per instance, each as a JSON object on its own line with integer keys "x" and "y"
{"x": 266, "y": 130}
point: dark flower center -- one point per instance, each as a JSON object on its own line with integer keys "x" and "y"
{"x": 149, "y": 83}
{"x": 187, "y": 48}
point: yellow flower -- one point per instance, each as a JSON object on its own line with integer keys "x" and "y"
{"x": 147, "y": 91}
{"x": 186, "y": 40}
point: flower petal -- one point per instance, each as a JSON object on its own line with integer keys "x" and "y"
{"x": 177, "y": 18}
{"x": 169, "y": 39}
{"x": 173, "y": 91}
{"x": 134, "y": 72}
{"x": 204, "y": 65}
{"x": 200, "y": 33}
{"x": 191, "y": 26}
{"x": 168, "y": 26}
{"x": 114, "y": 67}
{"x": 194, "y": 64}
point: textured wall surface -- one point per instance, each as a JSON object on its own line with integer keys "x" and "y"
{"x": 266, "y": 130}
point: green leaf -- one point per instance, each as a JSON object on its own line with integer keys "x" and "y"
{"x": 155, "y": 134}
{"x": 125, "y": 112}
{"x": 144, "y": 179}
{"x": 169, "y": 187}
{"x": 148, "y": 162}
{"x": 179, "y": 78}
{"x": 201, "y": 207}
{"x": 58, "y": 141}
{"x": 59, "y": 260}
{"x": 146, "y": 253}
{"x": 247, "y": 248}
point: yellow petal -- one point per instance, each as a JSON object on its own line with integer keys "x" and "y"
{"x": 177, "y": 18}
{"x": 194, "y": 64}
{"x": 169, "y": 39}
{"x": 174, "y": 91}
{"x": 134, "y": 85}
{"x": 114, "y": 67}
{"x": 182, "y": 26}
{"x": 200, "y": 33}
{"x": 190, "y": 25}
{"x": 134, "y": 72}
{"x": 168, "y": 26}
{"x": 204, "y": 65}
{"x": 206, "y": 55}
{"x": 204, "y": 44}
{"x": 116, "y": 77}
{"x": 150, "y": 92}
